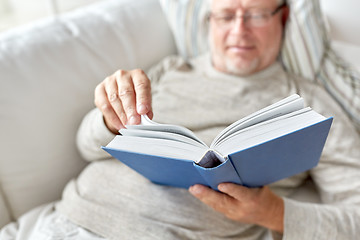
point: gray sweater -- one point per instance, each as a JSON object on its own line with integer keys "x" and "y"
{"x": 114, "y": 201}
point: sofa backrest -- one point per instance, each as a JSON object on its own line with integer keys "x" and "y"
{"x": 343, "y": 19}
{"x": 48, "y": 72}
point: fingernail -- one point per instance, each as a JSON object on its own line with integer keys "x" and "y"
{"x": 142, "y": 109}
{"x": 119, "y": 126}
{"x": 195, "y": 190}
{"x": 133, "y": 120}
{"x": 223, "y": 187}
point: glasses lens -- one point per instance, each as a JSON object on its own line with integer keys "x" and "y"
{"x": 257, "y": 19}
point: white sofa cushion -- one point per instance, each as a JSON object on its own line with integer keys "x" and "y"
{"x": 4, "y": 212}
{"x": 348, "y": 51}
{"x": 49, "y": 70}
{"x": 343, "y": 20}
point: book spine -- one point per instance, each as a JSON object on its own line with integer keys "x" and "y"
{"x": 224, "y": 172}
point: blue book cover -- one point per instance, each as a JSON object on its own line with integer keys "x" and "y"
{"x": 255, "y": 166}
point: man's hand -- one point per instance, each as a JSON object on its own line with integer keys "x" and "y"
{"x": 248, "y": 205}
{"x": 123, "y": 97}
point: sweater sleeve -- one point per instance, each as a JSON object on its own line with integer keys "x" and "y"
{"x": 321, "y": 221}
{"x": 93, "y": 134}
{"x": 337, "y": 178}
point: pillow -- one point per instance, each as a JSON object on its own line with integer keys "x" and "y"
{"x": 306, "y": 50}
{"x": 187, "y": 20}
{"x": 342, "y": 81}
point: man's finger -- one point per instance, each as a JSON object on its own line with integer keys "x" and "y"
{"x": 219, "y": 201}
{"x": 127, "y": 96}
{"x": 111, "y": 90}
{"x": 238, "y": 192}
{"x": 101, "y": 101}
{"x": 142, "y": 88}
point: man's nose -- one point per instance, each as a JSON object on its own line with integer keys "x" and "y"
{"x": 239, "y": 25}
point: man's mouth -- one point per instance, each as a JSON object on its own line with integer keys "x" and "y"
{"x": 240, "y": 49}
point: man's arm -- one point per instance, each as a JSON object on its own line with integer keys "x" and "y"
{"x": 91, "y": 135}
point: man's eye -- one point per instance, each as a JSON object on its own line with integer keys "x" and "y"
{"x": 227, "y": 18}
{"x": 257, "y": 16}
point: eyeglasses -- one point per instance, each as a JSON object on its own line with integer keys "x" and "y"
{"x": 252, "y": 17}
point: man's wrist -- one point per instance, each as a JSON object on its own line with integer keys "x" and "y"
{"x": 274, "y": 216}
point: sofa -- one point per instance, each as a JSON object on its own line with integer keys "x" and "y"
{"x": 48, "y": 73}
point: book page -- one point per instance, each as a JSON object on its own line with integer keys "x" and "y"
{"x": 270, "y": 122}
{"x": 284, "y": 106}
{"x": 160, "y": 135}
{"x": 158, "y": 147}
{"x": 268, "y": 130}
{"x": 149, "y": 125}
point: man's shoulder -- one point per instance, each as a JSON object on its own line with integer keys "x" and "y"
{"x": 176, "y": 63}
{"x": 173, "y": 62}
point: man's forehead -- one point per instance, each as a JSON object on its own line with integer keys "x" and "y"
{"x": 234, "y": 4}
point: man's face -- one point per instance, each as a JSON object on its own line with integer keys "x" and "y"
{"x": 241, "y": 47}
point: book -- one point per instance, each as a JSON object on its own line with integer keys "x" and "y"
{"x": 276, "y": 142}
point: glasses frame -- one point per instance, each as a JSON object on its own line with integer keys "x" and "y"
{"x": 273, "y": 13}
{"x": 284, "y": 4}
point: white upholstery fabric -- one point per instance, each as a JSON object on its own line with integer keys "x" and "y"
{"x": 343, "y": 19}
{"x": 49, "y": 70}
{"x": 4, "y": 213}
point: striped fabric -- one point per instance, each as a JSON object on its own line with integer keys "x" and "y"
{"x": 305, "y": 38}
{"x": 187, "y": 20}
{"x": 305, "y": 51}
{"x": 342, "y": 81}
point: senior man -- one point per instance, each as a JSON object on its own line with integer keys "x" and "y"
{"x": 239, "y": 76}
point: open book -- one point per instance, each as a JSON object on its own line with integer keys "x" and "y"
{"x": 273, "y": 143}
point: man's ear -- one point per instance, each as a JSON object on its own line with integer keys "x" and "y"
{"x": 285, "y": 15}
